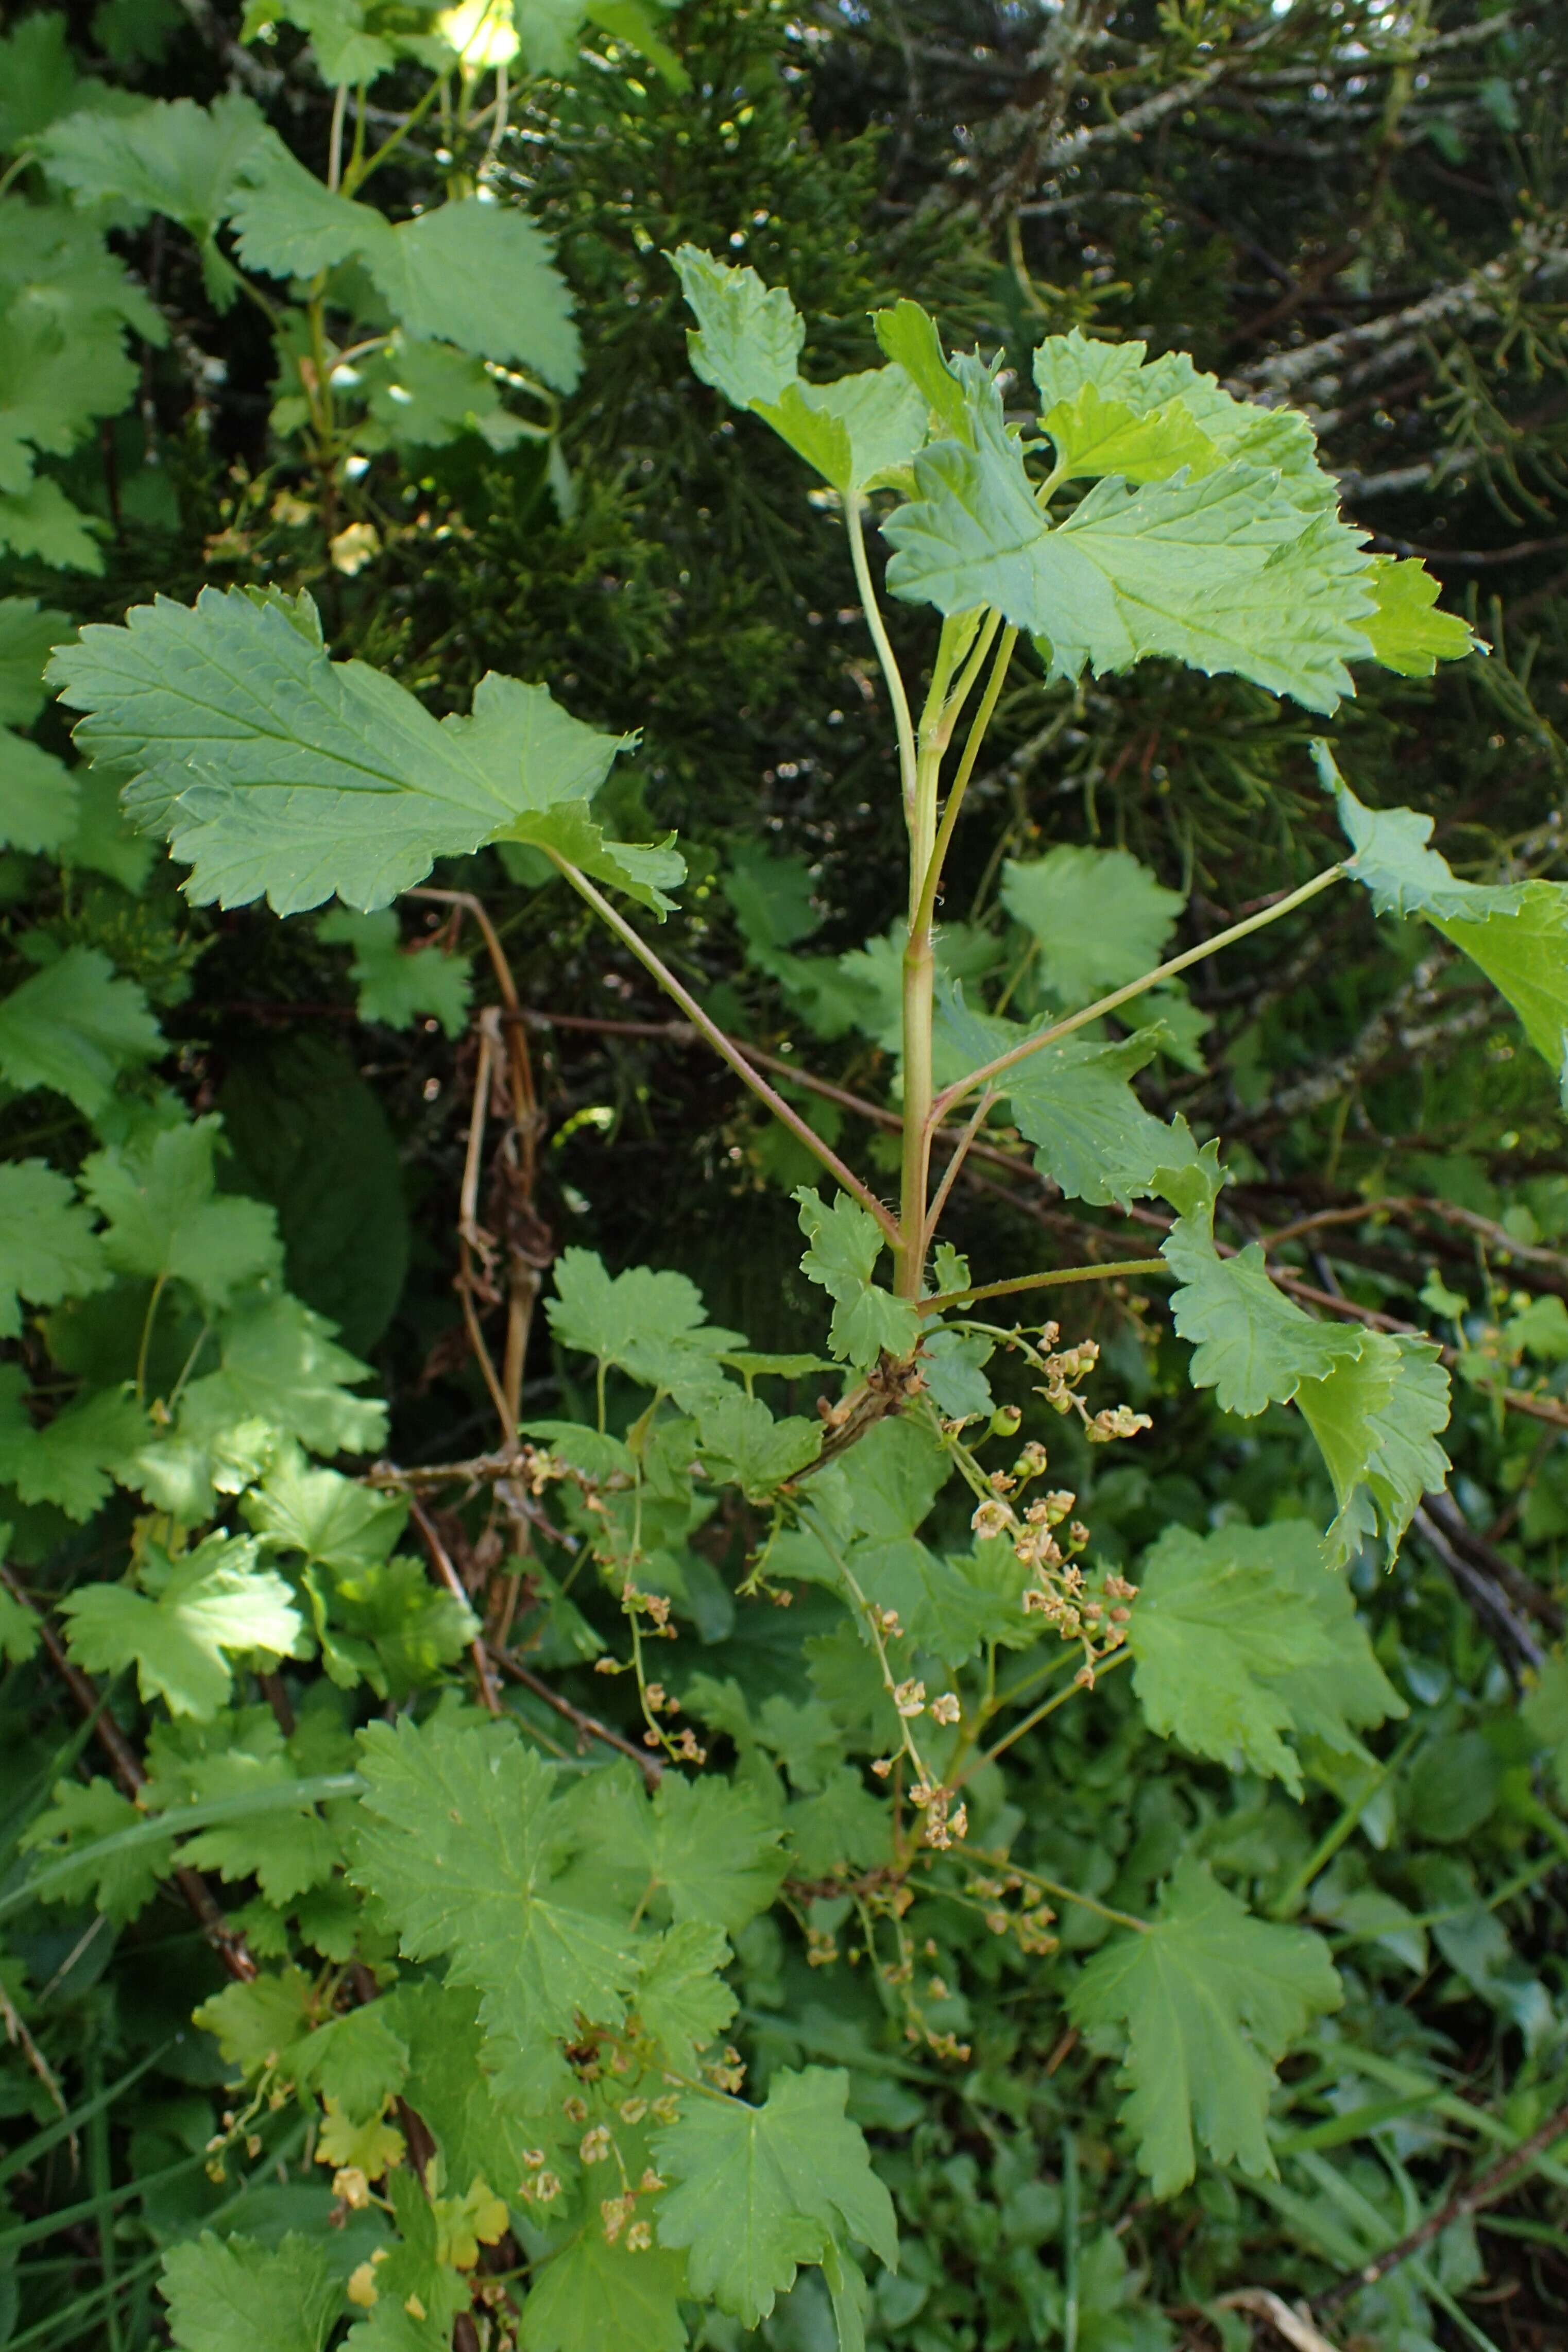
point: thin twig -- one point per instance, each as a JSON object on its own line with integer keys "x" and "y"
{"x": 16, "y": 2033}
{"x": 528, "y": 1241}
{"x": 1517, "y": 1642}
{"x": 454, "y": 1584}
{"x": 587, "y": 1725}
{"x": 950, "y": 1174}
{"x": 1481, "y": 2191}
{"x": 468, "y": 1236}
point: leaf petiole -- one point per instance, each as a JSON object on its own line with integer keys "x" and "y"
{"x": 1120, "y": 997}
{"x": 726, "y": 1048}
{"x": 902, "y": 721}
{"x": 1112, "y": 1270}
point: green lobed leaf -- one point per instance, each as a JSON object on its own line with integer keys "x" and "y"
{"x": 38, "y": 78}
{"x": 759, "y": 2191}
{"x": 857, "y": 432}
{"x": 744, "y": 1445}
{"x": 1407, "y": 633}
{"x": 41, "y": 522}
{"x": 284, "y": 1851}
{"x": 52, "y": 388}
{"x": 701, "y": 1850}
{"x": 909, "y": 337}
{"x": 385, "y": 1624}
{"x": 280, "y": 1366}
{"x": 397, "y": 985}
{"x": 216, "y": 2289}
{"x": 480, "y": 275}
{"x": 74, "y": 1027}
{"x": 846, "y": 1242}
{"x": 1161, "y": 392}
{"x": 49, "y": 1250}
{"x": 166, "y": 155}
{"x": 1071, "y": 1099}
{"x": 1240, "y": 1639}
{"x": 1393, "y": 860}
{"x": 1545, "y": 1715}
{"x": 422, "y": 394}
{"x": 1376, "y": 1418}
{"x": 118, "y": 1885}
{"x": 68, "y": 1460}
{"x": 38, "y": 796}
{"x": 252, "y": 2022}
{"x": 1094, "y": 436}
{"x": 1251, "y": 1345}
{"x": 590, "y": 2296}
{"x": 1517, "y": 932}
{"x": 1234, "y": 571}
{"x": 652, "y": 1325}
{"x": 1210, "y": 1999}
{"x": 1525, "y": 956}
{"x": 28, "y": 632}
{"x": 417, "y": 2295}
{"x": 450, "y": 2088}
{"x": 682, "y": 1999}
{"x": 164, "y": 1219}
{"x": 749, "y": 337}
{"x": 1100, "y": 917}
{"x": 358, "y": 2061}
{"x": 329, "y": 1519}
{"x": 273, "y": 771}
{"x": 462, "y": 1844}
{"x": 214, "y": 1603}
{"x": 468, "y": 272}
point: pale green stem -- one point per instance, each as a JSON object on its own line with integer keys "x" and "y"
{"x": 1114, "y": 1270}
{"x": 984, "y": 636}
{"x": 1120, "y": 997}
{"x": 725, "y": 1047}
{"x": 1103, "y": 1666}
{"x": 1005, "y": 1862}
{"x": 902, "y": 722}
{"x": 142, "y": 1351}
{"x": 982, "y": 716}
{"x": 357, "y": 174}
{"x": 920, "y": 972}
{"x": 950, "y": 1173}
{"x": 919, "y": 1005}
{"x": 1287, "y": 1904}
{"x": 809, "y": 1517}
{"x": 335, "y": 137}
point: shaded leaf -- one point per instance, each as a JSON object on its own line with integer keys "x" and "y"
{"x": 49, "y": 1250}
{"x": 74, "y": 1027}
{"x": 1210, "y": 1999}
{"x": 759, "y": 2191}
{"x": 217, "y": 2288}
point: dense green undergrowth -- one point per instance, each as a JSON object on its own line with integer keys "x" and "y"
{"x": 575, "y": 1777}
